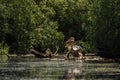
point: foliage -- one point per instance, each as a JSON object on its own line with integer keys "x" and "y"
{"x": 46, "y": 35}
{"x": 42, "y": 24}
{"x": 71, "y": 15}
{"x": 20, "y": 22}
{"x": 104, "y": 31}
{"x": 3, "y": 48}
{"x": 21, "y": 25}
{"x": 3, "y": 52}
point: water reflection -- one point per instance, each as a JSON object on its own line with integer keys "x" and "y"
{"x": 38, "y": 69}
{"x": 72, "y": 74}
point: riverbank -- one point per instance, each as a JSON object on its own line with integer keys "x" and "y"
{"x": 89, "y": 56}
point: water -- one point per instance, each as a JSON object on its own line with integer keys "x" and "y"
{"x": 53, "y": 69}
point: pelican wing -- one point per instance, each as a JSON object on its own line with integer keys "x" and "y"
{"x": 76, "y": 47}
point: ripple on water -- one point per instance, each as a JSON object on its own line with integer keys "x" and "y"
{"x": 37, "y": 69}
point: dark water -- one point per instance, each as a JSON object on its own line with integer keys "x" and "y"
{"x": 53, "y": 69}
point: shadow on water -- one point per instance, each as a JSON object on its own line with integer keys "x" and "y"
{"x": 53, "y": 69}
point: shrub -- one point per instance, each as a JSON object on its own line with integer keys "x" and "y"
{"x": 3, "y": 52}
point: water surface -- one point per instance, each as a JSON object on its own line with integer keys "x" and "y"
{"x": 53, "y": 69}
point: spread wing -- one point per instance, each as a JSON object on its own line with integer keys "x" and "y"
{"x": 76, "y": 47}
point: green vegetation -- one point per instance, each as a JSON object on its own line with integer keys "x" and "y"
{"x": 104, "y": 31}
{"x": 3, "y": 52}
{"x": 42, "y": 24}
